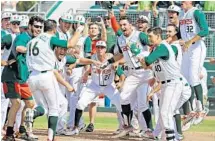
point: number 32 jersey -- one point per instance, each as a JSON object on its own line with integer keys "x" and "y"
{"x": 188, "y": 25}
{"x": 40, "y": 56}
{"x": 102, "y": 76}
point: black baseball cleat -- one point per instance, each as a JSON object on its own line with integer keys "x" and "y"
{"x": 8, "y": 138}
{"x": 90, "y": 128}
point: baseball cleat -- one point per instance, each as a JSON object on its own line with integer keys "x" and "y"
{"x": 90, "y": 128}
{"x": 72, "y": 132}
{"x": 8, "y": 138}
{"x": 189, "y": 118}
{"x": 117, "y": 131}
{"x": 147, "y": 134}
{"x": 82, "y": 127}
{"x": 122, "y": 133}
{"x": 26, "y": 136}
{"x": 186, "y": 126}
{"x": 180, "y": 137}
{"x": 200, "y": 116}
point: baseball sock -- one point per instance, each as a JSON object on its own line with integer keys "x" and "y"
{"x": 9, "y": 131}
{"x": 192, "y": 98}
{"x": 199, "y": 93}
{"x": 170, "y": 135}
{"x": 148, "y": 118}
{"x": 22, "y": 129}
{"x": 38, "y": 111}
{"x": 78, "y": 114}
{"x": 178, "y": 123}
{"x": 52, "y": 124}
{"x": 186, "y": 107}
{"x": 127, "y": 113}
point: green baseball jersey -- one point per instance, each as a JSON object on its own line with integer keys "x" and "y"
{"x": 22, "y": 40}
{"x": 111, "y": 39}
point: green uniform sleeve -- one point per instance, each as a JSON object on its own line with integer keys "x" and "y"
{"x": 144, "y": 38}
{"x": 6, "y": 41}
{"x": 3, "y": 33}
{"x": 119, "y": 32}
{"x": 57, "y": 42}
{"x": 119, "y": 71}
{"x": 160, "y": 52}
{"x": 57, "y": 35}
{"x": 88, "y": 45}
{"x": 70, "y": 59}
{"x": 22, "y": 40}
{"x": 175, "y": 49}
{"x": 202, "y": 22}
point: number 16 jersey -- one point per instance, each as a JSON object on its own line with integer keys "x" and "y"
{"x": 40, "y": 55}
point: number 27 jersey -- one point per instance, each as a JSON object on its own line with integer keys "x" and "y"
{"x": 40, "y": 56}
{"x": 102, "y": 77}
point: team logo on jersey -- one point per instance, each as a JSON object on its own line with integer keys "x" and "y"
{"x": 186, "y": 21}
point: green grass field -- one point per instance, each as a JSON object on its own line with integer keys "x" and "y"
{"x": 110, "y": 123}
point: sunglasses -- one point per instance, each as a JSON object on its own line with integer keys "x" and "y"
{"x": 15, "y": 23}
{"x": 106, "y": 18}
{"x": 38, "y": 26}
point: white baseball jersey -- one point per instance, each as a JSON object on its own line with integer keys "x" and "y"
{"x": 63, "y": 36}
{"x": 179, "y": 48}
{"x": 80, "y": 45}
{"x": 124, "y": 44}
{"x": 188, "y": 25}
{"x": 167, "y": 69}
{"x": 102, "y": 77}
{"x": 40, "y": 56}
{"x": 7, "y": 52}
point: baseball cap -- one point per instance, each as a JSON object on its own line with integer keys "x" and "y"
{"x": 24, "y": 21}
{"x": 143, "y": 18}
{"x": 174, "y": 8}
{"x": 67, "y": 17}
{"x": 6, "y": 15}
{"x": 101, "y": 43}
{"x": 80, "y": 19}
{"x": 15, "y": 18}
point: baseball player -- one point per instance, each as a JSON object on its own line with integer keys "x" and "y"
{"x": 6, "y": 45}
{"x": 129, "y": 45}
{"x": 5, "y": 23}
{"x": 193, "y": 27}
{"x": 62, "y": 60}
{"x": 11, "y": 79}
{"x": 167, "y": 70}
{"x": 41, "y": 62}
{"x": 186, "y": 91}
{"x": 23, "y": 27}
{"x": 65, "y": 23}
{"x": 102, "y": 82}
{"x": 83, "y": 49}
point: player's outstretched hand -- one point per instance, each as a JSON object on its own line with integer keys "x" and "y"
{"x": 187, "y": 44}
{"x": 119, "y": 85}
{"x": 80, "y": 28}
{"x": 70, "y": 88}
{"x": 97, "y": 63}
{"x": 212, "y": 60}
{"x": 111, "y": 13}
{"x": 149, "y": 96}
{"x": 115, "y": 65}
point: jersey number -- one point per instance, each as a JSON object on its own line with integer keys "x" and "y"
{"x": 107, "y": 77}
{"x": 189, "y": 28}
{"x": 34, "y": 50}
{"x": 158, "y": 68}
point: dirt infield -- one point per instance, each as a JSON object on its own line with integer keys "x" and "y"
{"x": 101, "y": 135}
